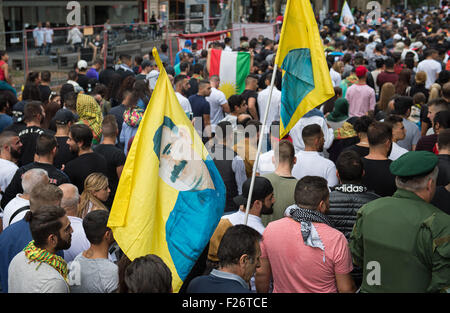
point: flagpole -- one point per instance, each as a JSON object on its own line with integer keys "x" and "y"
{"x": 261, "y": 135}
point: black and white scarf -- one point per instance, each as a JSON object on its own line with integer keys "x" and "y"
{"x": 306, "y": 217}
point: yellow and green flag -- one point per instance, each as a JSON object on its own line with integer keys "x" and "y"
{"x": 170, "y": 196}
{"x": 306, "y": 80}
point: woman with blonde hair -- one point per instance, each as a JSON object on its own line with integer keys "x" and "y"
{"x": 96, "y": 191}
{"x": 435, "y": 92}
{"x": 386, "y": 94}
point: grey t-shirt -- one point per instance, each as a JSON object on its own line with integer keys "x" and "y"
{"x": 30, "y": 277}
{"x": 92, "y": 275}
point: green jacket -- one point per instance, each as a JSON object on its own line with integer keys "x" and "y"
{"x": 409, "y": 240}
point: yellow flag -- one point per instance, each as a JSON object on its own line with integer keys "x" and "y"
{"x": 170, "y": 195}
{"x": 306, "y": 80}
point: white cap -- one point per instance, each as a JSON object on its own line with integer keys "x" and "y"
{"x": 82, "y": 64}
{"x": 397, "y": 37}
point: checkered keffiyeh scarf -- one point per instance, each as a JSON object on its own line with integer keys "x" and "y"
{"x": 306, "y": 217}
{"x": 91, "y": 114}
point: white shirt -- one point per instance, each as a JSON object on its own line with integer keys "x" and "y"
{"x": 7, "y": 171}
{"x": 227, "y": 48}
{"x": 48, "y": 33}
{"x": 232, "y": 119}
{"x": 184, "y": 102}
{"x": 265, "y": 164}
{"x": 38, "y": 35}
{"x": 432, "y": 68}
{"x": 296, "y": 132}
{"x": 253, "y": 221}
{"x": 216, "y": 100}
{"x": 79, "y": 241}
{"x": 311, "y": 163}
{"x": 275, "y": 104}
{"x": 396, "y": 152}
{"x": 335, "y": 77}
{"x": 74, "y": 36}
{"x": 12, "y": 206}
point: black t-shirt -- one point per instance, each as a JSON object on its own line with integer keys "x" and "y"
{"x": 118, "y": 111}
{"x": 28, "y": 137}
{"x": 83, "y": 81}
{"x": 378, "y": 178}
{"x": 362, "y": 151}
{"x": 64, "y": 155}
{"x": 251, "y": 94}
{"x": 84, "y": 165}
{"x": 200, "y": 106}
{"x": 114, "y": 158}
{"x": 56, "y": 177}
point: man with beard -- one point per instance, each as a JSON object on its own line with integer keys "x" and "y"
{"x": 37, "y": 268}
{"x": 10, "y": 147}
{"x": 302, "y": 252}
{"x": 378, "y": 177}
{"x": 88, "y": 161}
{"x": 260, "y": 204}
{"x": 309, "y": 161}
{"x": 46, "y": 148}
{"x": 34, "y": 115}
{"x": 17, "y": 236}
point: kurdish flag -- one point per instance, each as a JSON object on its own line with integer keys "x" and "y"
{"x": 306, "y": 80}
{"x": 170, "y": 196}
{"x": 232, "y": 67}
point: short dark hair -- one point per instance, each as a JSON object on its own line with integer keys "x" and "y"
{"x": 237, "y": 241}
{"x": 350, "y": 167}
{"x": 184, "y": 66}
{"x": 310, "y": 191}
{"x": 81, "y": 133}
{"x": 179, "y": 78}
{"x": 378, "y": 133}
{"x": 443, "y": 118}
{"x": 402, "y": 104}
{"x": 110, "y": 126}
{"x": 311, "y": 131}
{"x": 389, "y": 62}
{"x": 46, "y": 76}
{"x": 32, "y": 109}
{"x": 45, "y": 144}
{"x": 94, "y": 225}
{"x": 148, "y": 274}
{"x": 164, "y": 47}
{"x": 393, "y": 119}
{"x": 234, "y": 102}
{"x": 444, "y": 139}
{"x": 45, "y": 222}
{"x": 362, "y": 124}
{"x": 197, "y": 68}
{"x": 203, "y": 82}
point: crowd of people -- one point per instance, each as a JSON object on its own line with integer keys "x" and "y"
{"x": 362, "y": 179}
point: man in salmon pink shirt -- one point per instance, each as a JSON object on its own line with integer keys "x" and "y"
{"x": 302, "y": 252}
{"x": 360, "y": 96}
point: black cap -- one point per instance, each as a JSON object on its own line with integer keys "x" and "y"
{"x": 63, "y": 116}
{"x": 18, "y": 111}
{"x": 261, "y": 189}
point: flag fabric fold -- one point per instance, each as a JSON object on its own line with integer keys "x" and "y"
{"x": 306, "y": 77}
{"x": 170, "y": 196}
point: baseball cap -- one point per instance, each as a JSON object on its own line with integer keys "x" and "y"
{"x": 416, "y": 45}
{"x": 82, "y": 64}
{"x": 63, "y": 116}
{"x": 188, "y": 43}
{"x": 361, "y": 71}
{"x": 397, "y": 37}
{"x": 261, "y": 189}
{"x": 18, "y": 110}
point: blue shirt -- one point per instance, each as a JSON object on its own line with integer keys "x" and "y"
{"x": 5, "y": 121}
{"x": 218, "y": 282}
{"x": 13, "y": 240}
